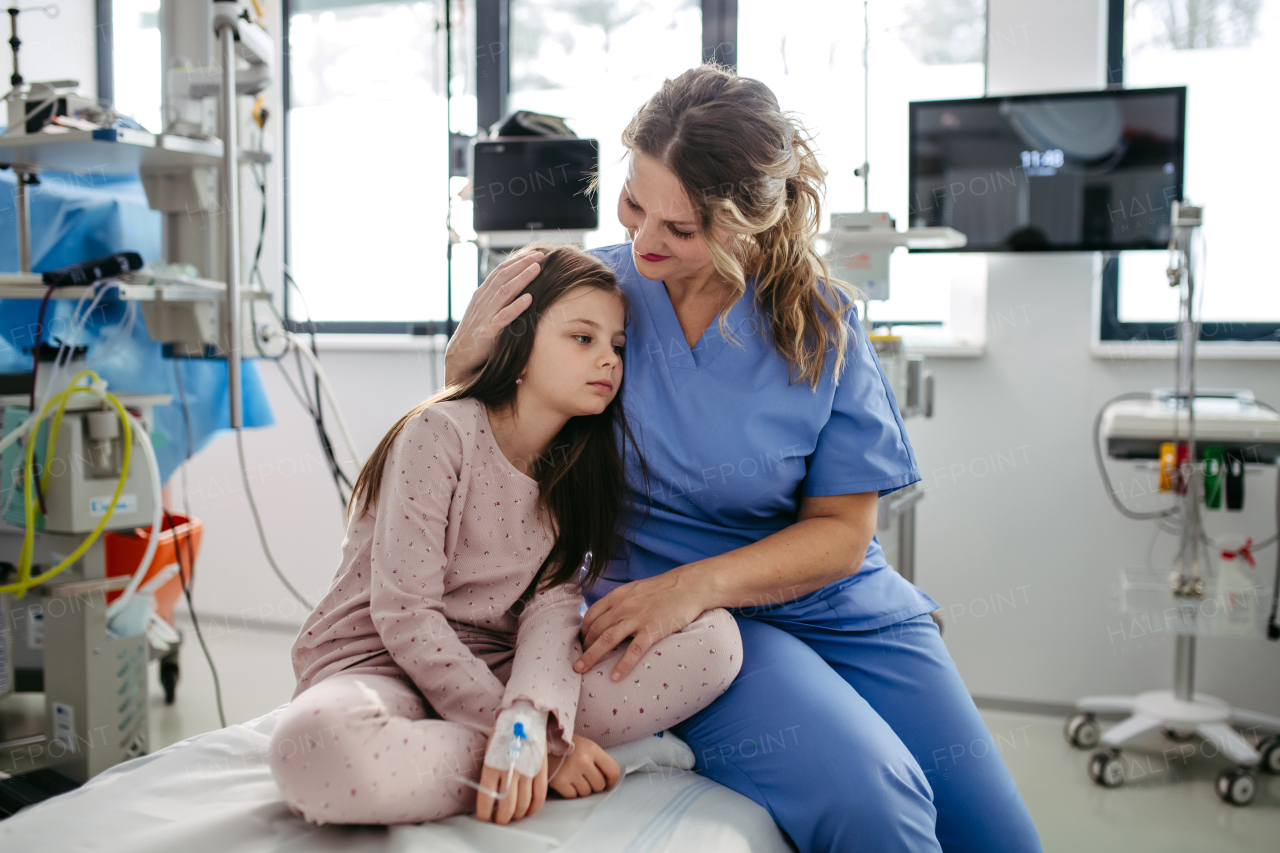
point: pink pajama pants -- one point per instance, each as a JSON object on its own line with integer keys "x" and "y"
{"x": 360, "y": 748}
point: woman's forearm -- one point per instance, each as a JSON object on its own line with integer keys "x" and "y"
{"x": 785, "y": 565}
{"x": 826, "y": 543}
{"x": 453, "y": 367}
{"x": 450, "y": 374}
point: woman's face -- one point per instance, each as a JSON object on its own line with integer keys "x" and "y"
{"x": 654, "y": 208}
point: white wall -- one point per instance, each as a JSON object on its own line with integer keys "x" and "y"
{"x": 1039, "y": 532}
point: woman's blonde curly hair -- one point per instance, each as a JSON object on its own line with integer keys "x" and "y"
{"x": 750, "y": 172}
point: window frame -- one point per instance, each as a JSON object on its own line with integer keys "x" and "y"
{"x": 1111, "y": 327}
{"x": 493, "y": 41}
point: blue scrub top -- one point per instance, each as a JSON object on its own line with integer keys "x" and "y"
{"x": 732, "y": 447}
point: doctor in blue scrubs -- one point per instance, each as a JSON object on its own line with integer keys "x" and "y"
{"x": 770, "y": 431}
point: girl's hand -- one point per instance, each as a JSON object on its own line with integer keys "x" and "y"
{"x": 646, "y": 610}
{"x": 585, "y": 771}
{"x": 528, "y": 794}
{"x": 492, "y": 307}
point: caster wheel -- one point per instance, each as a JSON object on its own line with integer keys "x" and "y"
{"x": 169, "y": 680}
{"x": 1179, "y": 736}
{"x": 1236, "y": 786}
{"x": 1269, "y": 749}
{"x": 1082, "y": 731}
{"x": 1106, "y": 769}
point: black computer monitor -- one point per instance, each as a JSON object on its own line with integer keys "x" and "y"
{"x": 534, "y": 184}
{"x": 1075, "y": 171}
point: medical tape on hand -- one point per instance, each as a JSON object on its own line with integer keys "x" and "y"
{"x": 519, "y": 741}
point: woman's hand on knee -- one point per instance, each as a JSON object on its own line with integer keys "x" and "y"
{"x": 585, "y": 771}
{"x": 646, "y": 610}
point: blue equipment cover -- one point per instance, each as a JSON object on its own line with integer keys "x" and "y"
{"x": 77, "y": 217}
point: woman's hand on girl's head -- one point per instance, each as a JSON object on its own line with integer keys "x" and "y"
{"x": 494, "y": 304}
{"x": 646, "y": 610}
{"x": 528, "y": 797}
{"x": 585, "y": 771}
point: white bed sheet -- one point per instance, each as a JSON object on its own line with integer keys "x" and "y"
{"x": 214, "y": 793}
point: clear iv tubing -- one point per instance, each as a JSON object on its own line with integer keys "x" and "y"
{"x": 513, "y": 753}
{"x": 67, "y": 350}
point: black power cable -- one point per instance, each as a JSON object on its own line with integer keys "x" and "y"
{"x": 257, "y": 520}
{"x": 314, "y": 407}
{"x": 191, "y": 563}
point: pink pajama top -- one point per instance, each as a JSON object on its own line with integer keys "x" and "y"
{"x": 431, "y": 578}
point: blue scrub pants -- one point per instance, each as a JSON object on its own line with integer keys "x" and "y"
{"x": 858, "y": 740}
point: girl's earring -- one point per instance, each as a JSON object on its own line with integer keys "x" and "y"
{"x": 518, "y": 381}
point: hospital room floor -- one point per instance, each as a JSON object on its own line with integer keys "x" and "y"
{"x": 1167, "y": 806}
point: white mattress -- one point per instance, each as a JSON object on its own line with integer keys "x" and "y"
{"x": 213, "y": 793}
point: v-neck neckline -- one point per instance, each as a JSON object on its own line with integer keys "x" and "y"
{"x": 683, "y": 361}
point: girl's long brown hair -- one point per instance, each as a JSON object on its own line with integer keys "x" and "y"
{"x": 582, "y": 480}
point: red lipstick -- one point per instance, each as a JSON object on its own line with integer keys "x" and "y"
{"x": 655, "y": 259}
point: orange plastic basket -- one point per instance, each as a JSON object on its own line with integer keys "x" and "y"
{"x": 124, "y": 550}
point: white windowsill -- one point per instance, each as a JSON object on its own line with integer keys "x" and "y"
{"x": 341, "y": 342}
{"x": 1167, "y": 350}
{"x": 948, "y": 350}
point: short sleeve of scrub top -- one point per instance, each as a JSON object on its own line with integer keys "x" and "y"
{"x": 732, "y": 445}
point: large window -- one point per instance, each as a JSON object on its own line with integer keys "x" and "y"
{"x": 595, "y": 62}
{"x": 812, "y": 58}
{"x": 135, "y": 53}
{"x": 1227, "y": 54}
{"x": 368, "y": 185}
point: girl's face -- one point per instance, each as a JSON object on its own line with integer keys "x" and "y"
{"x": 575, "y": 367}
{"x": 662, "y": 224}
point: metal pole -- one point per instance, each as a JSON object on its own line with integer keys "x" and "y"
{"x": 1184, "y": 667}
{"x": 23, "y": 203}
{"x": 867, "y": 106}
{"x": 1189, "y": 583}
{"x": 1181, "y": 273}
{"x": 907, "y": 543}
{"x": 448, "y": 203}
{"x": 224, "y": 24}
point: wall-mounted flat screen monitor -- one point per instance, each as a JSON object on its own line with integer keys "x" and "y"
{"x": 529, "y": 183}
{"x": 1069, "y": 172}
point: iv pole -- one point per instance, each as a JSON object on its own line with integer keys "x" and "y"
{"x": 1181, "y": 711}
{"x": 1188, "y": 583}
{"x": 864, "y": 171}
{"x": 225, "y": 15}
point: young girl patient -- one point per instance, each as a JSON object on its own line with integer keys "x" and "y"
{"x": 452, "y": 623}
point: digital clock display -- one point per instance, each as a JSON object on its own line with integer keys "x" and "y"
{"x": 1043, "y": 162}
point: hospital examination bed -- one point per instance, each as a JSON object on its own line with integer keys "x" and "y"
{"x": 213, "y": 793}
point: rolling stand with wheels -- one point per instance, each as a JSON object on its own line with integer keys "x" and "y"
{"x": 1182, "y": 715}
{"x": 1164, "y": 426}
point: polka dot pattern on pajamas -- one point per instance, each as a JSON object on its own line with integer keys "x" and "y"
{"x": 423, "y": 638}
